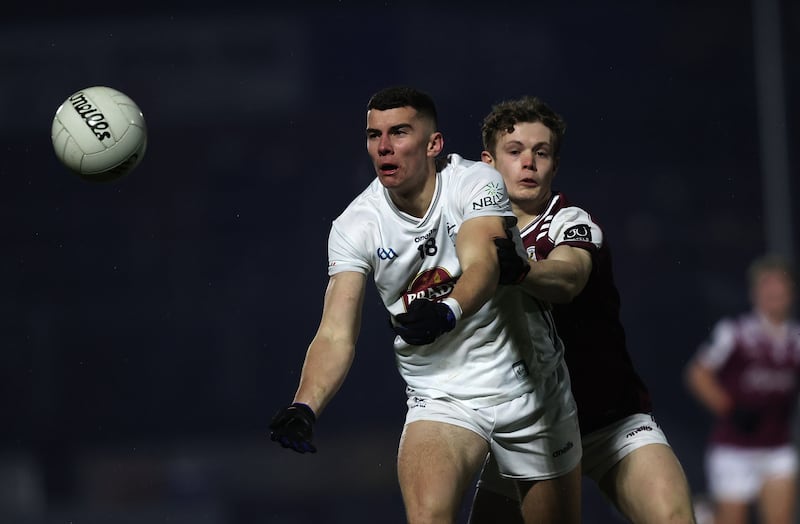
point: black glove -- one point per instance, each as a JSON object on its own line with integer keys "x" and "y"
{"x": 513, "y": 268}
{"x": 424, "y": 321}
{"x": 745, "y": 420}
{"x": 291, "y": 427}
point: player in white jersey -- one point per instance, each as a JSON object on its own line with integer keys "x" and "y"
{"x": 469, "y": 363}
{"x": 747, "y": 375}
{"x": 426, "y": 231}
{"x": 624, "y": 451}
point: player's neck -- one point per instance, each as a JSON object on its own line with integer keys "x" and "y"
{"x": 416, "y": 200}
{"x": 528, "y": 211}
{"x": 773, "y": 319}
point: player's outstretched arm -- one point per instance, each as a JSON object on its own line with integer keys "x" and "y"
{"x": 327, "y": 362}
{"x": 332, "y": 349}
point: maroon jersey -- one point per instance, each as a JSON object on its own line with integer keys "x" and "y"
{"x": 758, "y": 366}
{"x": 605, "y": 384}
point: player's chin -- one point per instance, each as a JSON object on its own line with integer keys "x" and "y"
{"x": 389, "y": 181}
{"x": 526, "y": 192}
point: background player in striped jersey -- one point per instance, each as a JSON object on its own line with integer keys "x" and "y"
{"x": 624, "y": 451}
{"x": 746, "y": 374}
{"x": 426, "y": 233}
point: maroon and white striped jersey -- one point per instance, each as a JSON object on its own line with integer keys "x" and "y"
{"x": 758, "y": 366}
{"x": 605, "y": 384}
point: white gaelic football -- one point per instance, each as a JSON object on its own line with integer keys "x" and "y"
{"x": 99, "y": 133}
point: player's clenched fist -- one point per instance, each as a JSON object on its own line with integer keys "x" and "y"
{"x": 292, "y": 426}
{"x": 426, "y": 320}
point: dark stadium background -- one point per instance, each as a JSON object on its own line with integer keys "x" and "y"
{"x": 149, "y": 328}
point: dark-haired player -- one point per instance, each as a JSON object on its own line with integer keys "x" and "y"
{"x": 426, "y": 233}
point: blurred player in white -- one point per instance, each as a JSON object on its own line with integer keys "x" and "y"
{"x": 624, "y": 450}
{"x": 746, "y": 375}
{"x": 426, "y": 232}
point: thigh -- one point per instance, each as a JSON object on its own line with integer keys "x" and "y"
{"x": 436, "y": 462}
{"x": 731, "y": 512}
{"x": 552, "y": 501}
{"x": 607, "y": 446}
{"x": 649, "y": 485}
{"x": 776, "y": 502}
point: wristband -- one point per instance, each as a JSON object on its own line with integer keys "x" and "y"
{"x": 454, "y": 306}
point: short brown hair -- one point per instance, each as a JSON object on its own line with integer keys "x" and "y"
{"x": 526, "y": 109}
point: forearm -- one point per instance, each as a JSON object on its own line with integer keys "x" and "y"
{"x": 553, "y": 280}
{"x": 476, "y": 286}
{"x": 324, "y": 371}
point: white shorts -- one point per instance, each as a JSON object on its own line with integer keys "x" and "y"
{"x": 533, "y": 437}
{"x": 737, "y": 474}
{"x": 605, "y": 447}
{"x": 602, "y": 449}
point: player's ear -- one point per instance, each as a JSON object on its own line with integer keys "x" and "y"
{"x": 487, "y": 157}
{"x": 435, "y": 144}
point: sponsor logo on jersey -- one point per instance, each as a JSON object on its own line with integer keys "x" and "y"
{"x": 568, "y": 446}
{"x": 426, "y": 236}
{"x": 581, "y": 232}
{"x": 493, "y": 194}
{"x": 386, "y": 254}
{"x": 432, "y": 284}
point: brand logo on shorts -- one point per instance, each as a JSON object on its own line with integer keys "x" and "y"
{"x": 567, "y": 447}
{"x": 520, "y": 369}
{"x": 420, "y": 402}
{"x": 638, "y": 430}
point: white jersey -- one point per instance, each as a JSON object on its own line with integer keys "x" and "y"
{"x": 480, "y": 362}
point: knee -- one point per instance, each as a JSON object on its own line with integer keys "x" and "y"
{"x": 428, "y": 510}
{"x": 670, "y": 512}
{"x": 683, "y": 514}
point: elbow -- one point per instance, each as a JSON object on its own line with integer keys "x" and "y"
{"x": 572, "y": 290}
{"x": 563, "y": 296}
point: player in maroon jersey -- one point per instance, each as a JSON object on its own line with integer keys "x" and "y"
{"x": 746, "y": 374}
{"x": 624, "y": 451}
